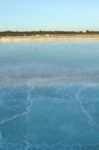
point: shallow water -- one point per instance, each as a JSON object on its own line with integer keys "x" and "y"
{"x": 49, "y": 96}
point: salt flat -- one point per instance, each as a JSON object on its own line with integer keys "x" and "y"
{"x": 49, "y": 95}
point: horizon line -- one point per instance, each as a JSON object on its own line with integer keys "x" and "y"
{"x": 87, "y": 31}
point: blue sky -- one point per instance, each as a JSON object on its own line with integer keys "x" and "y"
{"x": 49, "y": 14}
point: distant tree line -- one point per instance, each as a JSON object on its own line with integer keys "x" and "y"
{"x": 42, "y": 33}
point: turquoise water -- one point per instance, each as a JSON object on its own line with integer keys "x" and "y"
{"x": 49, "y": 96}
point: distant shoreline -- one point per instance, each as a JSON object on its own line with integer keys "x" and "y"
{"x": 48, "y": 38}
{"x": 49, "y": 33}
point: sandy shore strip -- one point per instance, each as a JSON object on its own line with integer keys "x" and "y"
{"x": 46, "y": 39}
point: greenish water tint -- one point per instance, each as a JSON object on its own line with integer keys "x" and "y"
{"x": 49, "y": 96}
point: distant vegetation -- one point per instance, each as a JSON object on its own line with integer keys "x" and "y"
{"x": 47, "y": 33}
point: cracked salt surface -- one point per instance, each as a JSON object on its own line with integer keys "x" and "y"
{"x": 90, "y": 118}
{"x": 43, "y": 116}
{"x": 49, "y": 97}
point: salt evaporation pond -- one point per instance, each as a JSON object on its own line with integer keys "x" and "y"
{"x": 49, "y": 96}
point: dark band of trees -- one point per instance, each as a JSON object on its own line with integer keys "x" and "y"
{"x": 42, "y": 33}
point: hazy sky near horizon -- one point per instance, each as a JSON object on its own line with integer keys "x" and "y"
{"x": 49, "y": 14}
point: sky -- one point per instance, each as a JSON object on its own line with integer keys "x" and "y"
{"x": 49, "y": 15}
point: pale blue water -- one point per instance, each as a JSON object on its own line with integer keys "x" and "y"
{"x": 49, "y": 96}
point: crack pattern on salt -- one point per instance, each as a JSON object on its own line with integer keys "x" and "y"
{"x": 90, "y": 118}
{"x": 28, "y": 109}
